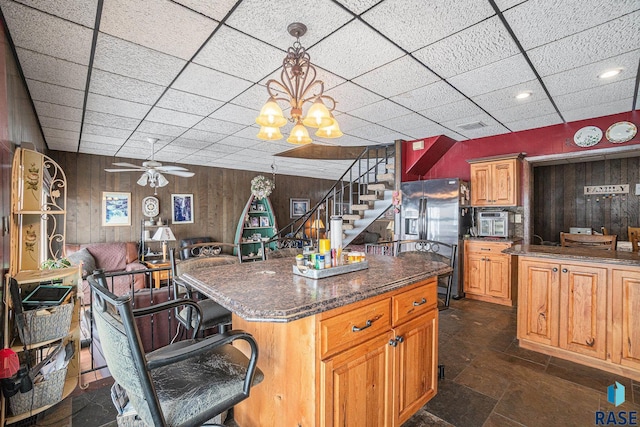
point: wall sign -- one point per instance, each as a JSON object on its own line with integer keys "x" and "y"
{"x": 606, "y": 189}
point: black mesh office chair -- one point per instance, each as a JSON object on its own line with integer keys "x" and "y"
{"x": 182, "y": 384}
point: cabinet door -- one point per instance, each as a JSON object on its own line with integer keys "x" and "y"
{"x": 583, "y": 310}
{"x": 498, "y": 276}
{"x": 503, "y": 183}
{"x": 415, "y": 361}
{"x": 538, "y": 301}
{"x": 624, "y": 307}
{"x": 474, "y": 273}
{"x": 355, "y": 385}
{"x": 480, "y": 184}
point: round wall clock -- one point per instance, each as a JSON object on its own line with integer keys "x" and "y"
{"x": 150, "y": 206}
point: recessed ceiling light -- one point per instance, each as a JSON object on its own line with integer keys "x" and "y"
{"x": 610, "y": 73}
{"x": 523, "y": 95}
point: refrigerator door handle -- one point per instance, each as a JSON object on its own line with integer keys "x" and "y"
{"x": 423, "y": 219}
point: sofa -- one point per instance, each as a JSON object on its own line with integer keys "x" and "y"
{"x": 110, "y": 257}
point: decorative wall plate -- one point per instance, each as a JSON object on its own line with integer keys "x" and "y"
{"x": 150, "y": 206}
{"x": 588, "y": 136}
{"x": 621, "y": 132}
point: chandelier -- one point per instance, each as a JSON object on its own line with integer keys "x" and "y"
{"x": 298, "y": 82}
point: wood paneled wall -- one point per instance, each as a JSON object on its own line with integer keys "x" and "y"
{"x": 219, "y": 198}
{"x": 560, "y": 202}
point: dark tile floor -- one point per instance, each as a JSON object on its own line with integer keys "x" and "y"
{"x": 489, "y": 381}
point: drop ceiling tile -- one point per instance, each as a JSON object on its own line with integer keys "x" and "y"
{"x": 104, "y": 131}
{"x": 534, "y": 122}
{"x": 61, "y": 134}
{"x": 58, "y": 111}
{"x": 48, "y": 69}
{"x": 161, "y": 25}
{"x": 598, "y": 110}
{"x": 251, "y": 132}
{"x": 201, "y": 135}
{"x": 348, "y": 122}
{"x": 190, "y": 143}
{"x": 161, "y": 129}
{"x": 537, "y": 22}
{"x": 40, "y": 32}
{"x": 427, "y": 22}
{"x": 105, "y": 104}
{"x": 128, "y": 89}
{"x": 218, "y": 126}
{"x": 134, "y": 153}
{"x": 358, "y": 6}
{"x": 330, "y": 80}
{"x": 254, "y": 97}
{"x": 237, "y": 142}
{"x": 46, "y": 92}
{"x": 236, "y": 114}
{"x": 453, "y": 111}
{"x": 175, "y": 152}
{"x": 81, "y": 12}
{"x": 349, "y": 96}
{"x": 427, "y": 96}
{"x": 371, "y": 131}
{"x": 99, "y": 151}
{"x": 322, "y": 17}
{"x": 213, "y": 9}
{"x": 603, "y": 94}
{"x": 390, "y": 79}
{"x": 59, "y": 144}
{"x": 219, "y": 150}
{"x": 507, "y": 4}
{"x": 500, "y": 74}
{"x": 433, "y": 129}
{"x": 237, "y": 54}
{"x": 353, "y": 50}
{"x": 90, "y": 138}
{"x": 188, "y": 103}
{"x": 171, "y": 117}
{"x": 110, "y": 120}
{"x": 210, "y": 83}
{"x": 405, "y": 123}
{"x": 477, "y": 46}
{"x": 491, "y": 130}
{"x": 379, "y": 111}
{"x": 349, "y": 141}
{"x": 596, "y": 44}
{"x": 128, "y": 59}
{"x": 271, "y": 147}
{"x": 525, "y": 111}
{"x": 505, "y": 98}
{"x": 586, "y": 77}
{"x": 389, "y": 138}
{"x": 50, "y": 122}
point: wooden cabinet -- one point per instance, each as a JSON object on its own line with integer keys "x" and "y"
{"x": 567, "y": 309}
{"x": 257, "y": 223}
{"x": 488, "y": 272}
{"x": 496, "y": 182}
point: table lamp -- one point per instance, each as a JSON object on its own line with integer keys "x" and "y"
{"x": 316, "y": 226}
{"x": 165, "y": 234}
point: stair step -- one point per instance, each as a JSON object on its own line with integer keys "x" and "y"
{"x": 347, "y": 226}
{"x": 351, "y": 217}
{"x": 376, "y": 187}
{"x": 362, "y": 207}
{"x": 369, "y": 197}
{"x": 388, "y": 177}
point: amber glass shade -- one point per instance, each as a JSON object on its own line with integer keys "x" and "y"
{"x": 270, "y": 133}
{"x": 332, "y": 131}
{"x": 271, "y": 115}
{"x": 318, "y": 115}
{"x": 299, "y": 135}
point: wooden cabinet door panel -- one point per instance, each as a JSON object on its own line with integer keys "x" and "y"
{"x": 626, "y": 318}
{"x": 538, "y": 301}
{"x": 498, "y": 279}
{"x": 474, "y": 273}
{"x": 355, "y": 385}
{"x": 415, "y": 360}
{"x": 583, "y": 310}
{"x": 480, "y": 185}
{"x": 502, "y": 184}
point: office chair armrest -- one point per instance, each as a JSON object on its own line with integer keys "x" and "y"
{"x": 167, "y": 305}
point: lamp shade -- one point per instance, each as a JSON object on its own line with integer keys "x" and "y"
{"x": 299, "y": 135}
{"x": 332, "y": 131}
{"x": 271, "y": 115}
{"x": 269, "y": 133}
{"x": 162, "y": 181}
{"x": 164, "y": 234}
{"x": 143, "y": 179}
{"x": 317, "y": 224}
{"x": 318, "y": 115}
{"x": 391, "y": 225}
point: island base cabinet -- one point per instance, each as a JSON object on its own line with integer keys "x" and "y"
{"x": 538, "y": 302}
{"x": 626, "y": 318}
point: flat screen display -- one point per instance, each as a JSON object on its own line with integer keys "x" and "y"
{"x": 46, "y": 295}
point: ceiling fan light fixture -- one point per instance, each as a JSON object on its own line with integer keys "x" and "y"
{"x": 162, "y": 181}
{"x": 143, "y": 179}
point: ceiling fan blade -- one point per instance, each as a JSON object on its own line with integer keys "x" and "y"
{"x": 129, "y": 165}
{"x": 124, "y": 170}
{"x": 184, "y": 173}
{"x": 171, "y": 168}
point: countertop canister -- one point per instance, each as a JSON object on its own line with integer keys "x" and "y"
{"x": 335, "y": 231}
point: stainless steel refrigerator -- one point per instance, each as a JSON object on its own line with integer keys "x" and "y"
{"x": 438, "y": 210}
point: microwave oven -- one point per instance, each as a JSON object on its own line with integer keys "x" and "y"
{"x": 495, "y": 224}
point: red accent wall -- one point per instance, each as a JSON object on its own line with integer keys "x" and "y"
{"x": 554, "y": 139}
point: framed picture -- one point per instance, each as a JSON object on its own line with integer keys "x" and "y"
{"x": 264, "y": 221}
{"x": 182, "y": 211}
{"x": 298, "y": 207}
{"x": 254, "y": 221}
{"x": 116, "y": 209}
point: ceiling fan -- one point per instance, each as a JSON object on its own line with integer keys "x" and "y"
{"x": 152, "y": 171}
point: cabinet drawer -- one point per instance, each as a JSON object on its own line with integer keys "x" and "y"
{"x": 353, "y": 327}
{"x": 486, "y": 247}
{"x": 415, "y": 302}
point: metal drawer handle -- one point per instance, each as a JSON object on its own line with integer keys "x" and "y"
{"x": 357, "y": 329}
{"x": 393, "y": 343}
{"x": 564, "y": 270}
{"x": 416, "y": 304}
{"x": 555, "y": 269}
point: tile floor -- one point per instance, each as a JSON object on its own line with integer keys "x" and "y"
{"x": 489, "y": 381}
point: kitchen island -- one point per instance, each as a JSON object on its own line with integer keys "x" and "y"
{"x": 350, "y": 349}
{"x": 580, "y": 304}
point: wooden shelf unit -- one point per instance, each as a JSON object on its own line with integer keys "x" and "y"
{"x": 255, "y": 211}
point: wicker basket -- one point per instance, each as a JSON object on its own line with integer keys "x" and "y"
{"x": 46, "y": 324}
{"x": 42, "y": 394}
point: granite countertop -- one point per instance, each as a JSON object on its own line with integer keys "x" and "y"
{"x": 577, "y": 254}
{"x": 268, "y": 291}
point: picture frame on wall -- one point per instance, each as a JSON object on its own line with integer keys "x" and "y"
{"x": 264, "y": 221}
{"x": 182, "y": 209}
{"x": 255, "y": 221}
{"x": 298, "y": 207}
{"x": 116, "y": 209}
